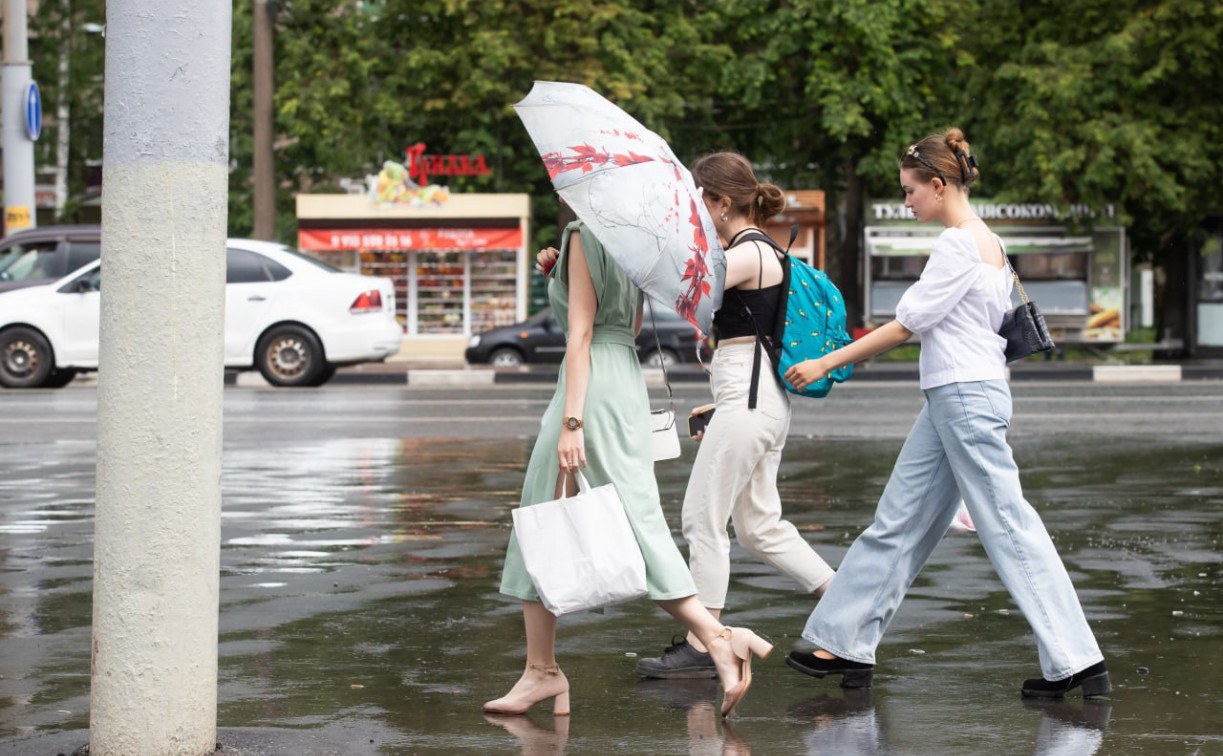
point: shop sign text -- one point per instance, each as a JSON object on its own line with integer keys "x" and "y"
{"x": 421, "y": 166}
{"x": 452, "y": 239}
{"x": 1002, "y": 211}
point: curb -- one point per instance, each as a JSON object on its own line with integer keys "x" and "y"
{"x": 870, "y": 372}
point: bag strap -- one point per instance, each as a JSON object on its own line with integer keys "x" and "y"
{"x": 1023, "y": 295}
{"x": 662, "y": 361}
{"x": 761, "y": 342}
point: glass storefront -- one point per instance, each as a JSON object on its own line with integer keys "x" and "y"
{"x": 448, "y": 292}
{"x": 1208, "y": 310}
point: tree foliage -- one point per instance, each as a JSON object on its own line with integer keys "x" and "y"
{"x": 1066, "y": 101}
{"x": 1104, "y": 101}
{"x": 67, "y": 30}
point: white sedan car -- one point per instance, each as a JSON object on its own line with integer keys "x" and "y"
{"x": 292, "y": 317}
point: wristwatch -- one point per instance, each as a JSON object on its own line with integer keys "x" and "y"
{"x": 572, "y": 423}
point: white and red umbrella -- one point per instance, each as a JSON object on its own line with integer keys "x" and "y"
{"x": 628, "y": 187}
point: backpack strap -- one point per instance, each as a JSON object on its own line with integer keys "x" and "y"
{"x": 772, "y": 343}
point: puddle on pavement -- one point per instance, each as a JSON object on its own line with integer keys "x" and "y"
{"x": 358, "y": 595}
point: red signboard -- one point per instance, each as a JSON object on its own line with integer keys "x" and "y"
{"x": 315, "y": 239}
{"x": 422, "y": 166}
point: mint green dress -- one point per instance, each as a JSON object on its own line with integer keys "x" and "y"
{"x": 616, "y": 427}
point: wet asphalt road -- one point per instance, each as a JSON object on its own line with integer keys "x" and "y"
{"x": 363, "y": 529}
{"x": 1188, "y": 411}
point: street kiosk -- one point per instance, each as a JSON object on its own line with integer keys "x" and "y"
{"x": 1077, "y": 272}
{"x": 459, "y": 261}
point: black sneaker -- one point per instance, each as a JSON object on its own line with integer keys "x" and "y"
{"x": 679, "y": 661}
{"x": 1094, "y": 680}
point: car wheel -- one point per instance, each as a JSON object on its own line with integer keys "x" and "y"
{"x": 25, "y": 358}
{"x": 324, "y": 375}
{"x": 506, "y": 357}
{"x": 668, "y": 359}
{"x": 59, "y": 378}
{"x": 289, "y": 356}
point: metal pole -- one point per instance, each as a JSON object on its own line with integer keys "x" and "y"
{"x": 19, "y": 207}
{"x": 265, "y": 120}
{"x": 157, "y": 540}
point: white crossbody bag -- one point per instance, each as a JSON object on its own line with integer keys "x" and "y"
{"x": 662, "y": 421}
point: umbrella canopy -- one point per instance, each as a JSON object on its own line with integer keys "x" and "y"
{"x": 624, "y": 182}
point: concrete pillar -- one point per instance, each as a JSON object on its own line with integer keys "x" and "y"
{"x": 164, "y": 214}
{"x": 19, "y": 208}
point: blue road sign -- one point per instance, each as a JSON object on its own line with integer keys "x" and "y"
{"x": 33, "y": 111}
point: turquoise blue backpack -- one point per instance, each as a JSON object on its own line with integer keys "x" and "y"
{"x": 809, "y": 325}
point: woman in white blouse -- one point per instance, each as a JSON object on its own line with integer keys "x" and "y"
{"x": 956, "y": 448}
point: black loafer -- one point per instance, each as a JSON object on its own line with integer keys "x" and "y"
{"x": 1094, "y": 681}
{"x": 853, "y": 674}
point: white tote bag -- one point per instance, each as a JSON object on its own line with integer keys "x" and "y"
{"x": 580, "y": 551}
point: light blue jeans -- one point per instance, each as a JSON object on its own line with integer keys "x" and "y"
{"x": 956, "y": 448}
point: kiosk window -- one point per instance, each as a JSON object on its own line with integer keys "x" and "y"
{"x": 1051, "y": 266}
{"x": 1210, "y": 285}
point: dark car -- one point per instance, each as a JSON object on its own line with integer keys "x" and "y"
{"x": 540, "y": 339}
{"x": 42, "y": 255}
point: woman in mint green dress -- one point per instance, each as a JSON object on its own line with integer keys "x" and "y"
{"x": 598, "y": 419}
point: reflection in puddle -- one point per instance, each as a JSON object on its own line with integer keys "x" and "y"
{"x": 536, "y": 740}
{"x": 359, "y": 590}
{"x": 838, "y": 724}
{"x": 1067, "y": 729}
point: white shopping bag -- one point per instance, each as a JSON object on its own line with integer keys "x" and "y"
{"x": 580, "y": 551}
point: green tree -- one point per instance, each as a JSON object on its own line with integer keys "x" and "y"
{"x": 1106, "y": 101}
{"x": 359, "y": 82}
{"x": 68, "y": 31}
{"x": 826, "y": 93}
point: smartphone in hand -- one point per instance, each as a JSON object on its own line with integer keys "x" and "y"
{"x": 699, "y": 421}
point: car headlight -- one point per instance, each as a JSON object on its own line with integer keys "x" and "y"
{"x": 475, "y": 342}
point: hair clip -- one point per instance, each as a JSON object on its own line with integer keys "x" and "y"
{"x": 967, "y": 164}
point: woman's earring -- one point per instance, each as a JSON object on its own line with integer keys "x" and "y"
{"x": 723, "y": 217}
{"x": 938, "y": 197}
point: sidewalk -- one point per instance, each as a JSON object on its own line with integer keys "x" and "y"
{"x": 450, "y": 372}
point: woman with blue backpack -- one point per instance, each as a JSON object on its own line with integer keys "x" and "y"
{"x": 734, "y": 477}
{"x": 957, "y": 447}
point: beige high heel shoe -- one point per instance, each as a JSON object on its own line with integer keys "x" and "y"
{"x": 743, "y": 643}
{"x": 554, "y": 685}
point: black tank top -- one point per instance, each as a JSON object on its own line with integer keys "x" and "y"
{"x": 748, "y": 312}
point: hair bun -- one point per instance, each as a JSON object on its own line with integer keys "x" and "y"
{"x": 954, "y": 138}
{"x": 770, "y": 200}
